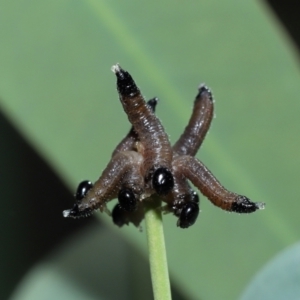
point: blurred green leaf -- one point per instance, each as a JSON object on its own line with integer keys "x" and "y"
{"x": 97, "y": 264}
{"x": 279, "y": 279}
{"x": 56, "y": 85}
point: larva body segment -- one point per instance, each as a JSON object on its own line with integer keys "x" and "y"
{"x": 123, "y": 171}
{"x": 128, "y": 143}
{"x": 203, "y": 179}
{"x": 157, "y": 149}
{"x": 199, "y": 123}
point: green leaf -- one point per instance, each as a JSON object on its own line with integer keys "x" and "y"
{"x": 97, "y": 264}
{"x": 279, "y": 279}
{"x": 56, "y": 86}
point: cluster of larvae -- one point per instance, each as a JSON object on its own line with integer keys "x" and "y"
{"x": 144, "y": 164}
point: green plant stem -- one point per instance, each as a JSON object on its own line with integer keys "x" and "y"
{"x": 157, "y": 250}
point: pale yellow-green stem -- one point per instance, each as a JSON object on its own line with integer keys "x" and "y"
{"x": 157, "y": 250}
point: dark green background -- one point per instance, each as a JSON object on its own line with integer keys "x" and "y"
{"x": 57, "y": 89}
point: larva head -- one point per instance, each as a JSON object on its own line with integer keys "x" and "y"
{"x": 79, "y": 210}
{"x": 127, "y": 199}
{"x": 119, "y": 216}
{"x": 188, "y": 215}
{"x": 162, "y": 181}
{"x": 195, "y": 197}
{"x": 83, "y": 189}
{"x": 152, "y": 103}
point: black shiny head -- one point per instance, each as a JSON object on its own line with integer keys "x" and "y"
{"x": 162, "y": 181}
{"x": 194, "y": 197}
{"x": 83, "y": 189}
{"x": 243, "y": 205}
{"x": 152, "y": 103}
{"x": 127, "y": 199}
{"x": 188, "y": 215}
{"x": 119, "y": 216}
